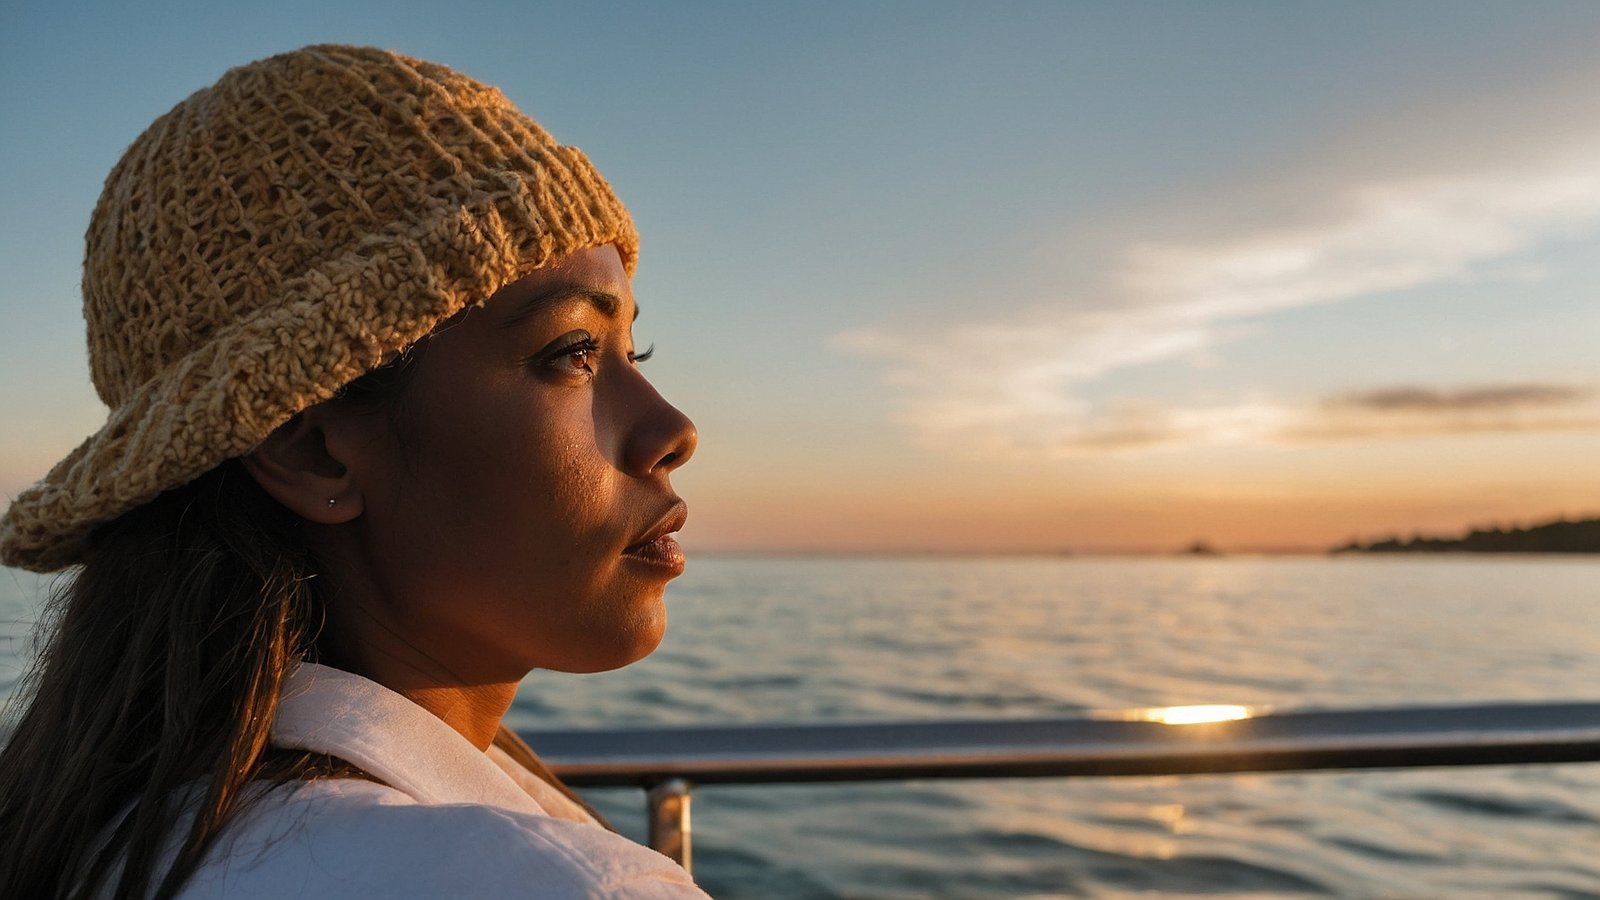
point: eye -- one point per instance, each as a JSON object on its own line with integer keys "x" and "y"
{"x": 570, "y": 355}
{"x": 644, "y": 355}
{"x": 580, "y": 356}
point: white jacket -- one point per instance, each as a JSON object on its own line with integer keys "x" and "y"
{"x": 447, "y": 821}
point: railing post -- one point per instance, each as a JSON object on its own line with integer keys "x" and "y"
{"x": 670, "y": 831}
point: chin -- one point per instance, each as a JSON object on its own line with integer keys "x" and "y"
{"x": 621, "y": 648}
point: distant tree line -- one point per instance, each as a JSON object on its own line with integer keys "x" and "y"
{"x": 1560, "y": 536}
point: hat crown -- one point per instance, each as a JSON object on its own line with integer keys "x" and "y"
{"x": 282, "y": 166}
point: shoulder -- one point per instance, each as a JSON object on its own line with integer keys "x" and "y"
{"x": 344, "y": 838}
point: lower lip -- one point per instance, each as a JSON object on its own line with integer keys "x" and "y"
{"x": 664, "y": 553}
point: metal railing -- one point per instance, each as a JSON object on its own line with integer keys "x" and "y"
{"x": 667, "y": 762}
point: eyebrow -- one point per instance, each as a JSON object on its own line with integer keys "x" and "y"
{"x": 604, "y": 301}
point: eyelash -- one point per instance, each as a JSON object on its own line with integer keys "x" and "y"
{"x": 586, "y": 347}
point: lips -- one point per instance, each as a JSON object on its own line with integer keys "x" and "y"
{"x": 658, "y": 548}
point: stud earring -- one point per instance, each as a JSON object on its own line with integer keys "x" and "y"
{"x": 331, "y": 502}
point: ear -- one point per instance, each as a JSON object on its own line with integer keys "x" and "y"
{"x": 295, "y": 466}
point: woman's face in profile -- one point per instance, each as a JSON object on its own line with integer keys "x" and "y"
{"x": 518, "y": 516}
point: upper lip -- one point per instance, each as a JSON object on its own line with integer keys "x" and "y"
{"x": 665, "y": 524}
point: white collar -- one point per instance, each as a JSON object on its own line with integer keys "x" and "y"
{"x": 326, "y": 710}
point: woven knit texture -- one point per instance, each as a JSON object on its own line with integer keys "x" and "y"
{"x": 279, "y": 234}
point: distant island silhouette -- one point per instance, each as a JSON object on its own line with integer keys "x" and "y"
{"x": 1559, "y": 536}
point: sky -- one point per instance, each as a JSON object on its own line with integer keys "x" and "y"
{"x": 959, "y": 277}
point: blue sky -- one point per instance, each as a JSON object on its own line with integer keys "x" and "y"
{"x": 1012, "y": 276}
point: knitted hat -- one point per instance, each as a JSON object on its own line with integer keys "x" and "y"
{"x": 279, "y": 234}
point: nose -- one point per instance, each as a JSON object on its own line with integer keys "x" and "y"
{"x": 662, "y": 439}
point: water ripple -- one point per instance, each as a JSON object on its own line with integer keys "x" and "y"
{"x": 1505, "y": 807}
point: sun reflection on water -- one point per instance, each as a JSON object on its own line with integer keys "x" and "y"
{"x": 1193, "y": 715}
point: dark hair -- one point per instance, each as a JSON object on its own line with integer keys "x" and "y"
{"x": 158, "y": 671}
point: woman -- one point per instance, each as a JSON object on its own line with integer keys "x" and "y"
{"x": 378, "y": 447}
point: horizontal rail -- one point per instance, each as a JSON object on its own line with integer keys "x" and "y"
{"x": 1123, "y": 744}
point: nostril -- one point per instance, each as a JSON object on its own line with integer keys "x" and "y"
{"x": 663, "y": 443}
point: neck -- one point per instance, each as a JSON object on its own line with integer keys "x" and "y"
{"x": 471, "y": 703}
{"x": 473, "y": 710}
{"x": 375, "y": 635}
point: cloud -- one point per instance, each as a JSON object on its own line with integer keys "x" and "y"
{"x": 1407, "y": 411}
{"x": 1015, "y": 383}
{"x": 1410, "y": 399}
{"x": 1387, "y": 237}
{"x": 1128, "y": 425}
{"x": 1397, "y": 412}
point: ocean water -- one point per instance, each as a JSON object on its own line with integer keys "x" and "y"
{"x": 816, "y": 640}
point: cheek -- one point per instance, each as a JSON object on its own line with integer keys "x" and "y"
{"x": 508, "y": 521}
{"x": 571, "y": 467}
{"x": 513, "y": 484}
